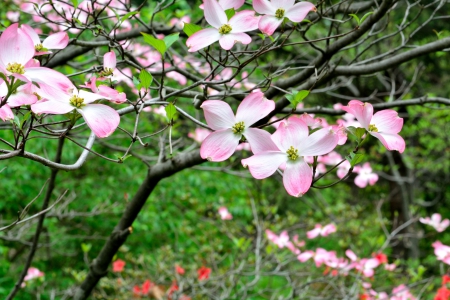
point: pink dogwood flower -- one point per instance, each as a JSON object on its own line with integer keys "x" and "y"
{"x": 276, "y": 10}
{"x": 109, "y": 63}
{"x": 293, "y": 142}
{"x": 104, "y": 90}
{"x": 32, "y": 273}
{"x": 225, "y": 214}
{"x": 442, "y": 252}
{"x": 58, "y": 40}
{"x": 228, "y": 4}
{"x": 101, "y": 119}
{"x": 435, "y": 221}
{"x": 221, "y": 144}
{"x": 227, "y": 32}
{"x": 365, "y": 176}
{"x": 319, "y": 230}
{"x": 384, "y": 125}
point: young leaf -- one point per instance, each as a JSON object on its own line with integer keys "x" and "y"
{"x": 128, "y": 15}
{"x": 170, "y": 111}
{"x": 356, "y": 18}
{"x": 262, "y": 36}
{"x": 365, "y": 17}
{"x": 359, "y": 132}
{"x": 86, "y": 247}
{"x": 230, "y": 13}
{"x": 145, "y": 78}
{"x": 159, "y": 45}
{"x": 354, "y": 159}
{"x": 297, "y": 97}
{"x": 170, "y": 39}
{"x": 190, "y": 29}
{"x": 76, "y": 3}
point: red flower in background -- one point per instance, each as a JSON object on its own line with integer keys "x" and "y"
{"x": 118, "y": 265}
{"x": 445, "y": 279}
{"x": 381, "y": 257}
{"x": 146, "y": 286}
{"x": 179, "y": 270}
{"x": 442, "y": 294}
{"x": 203, "y": 273}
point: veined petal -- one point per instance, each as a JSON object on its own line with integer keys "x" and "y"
{"x": 253, "y": 108}
{"x": 387, "y": 121}
{"x": 286, "y": 4}
{"x": 291, "y": 132}
{"x": 297, "y": 178}
{"x": 57, "y": 40}
{"x": 49, "y": 77}
{"x": 259, "y": 140}
{"x": 31, "y": 33}
{"x": 227, "y": 4}
{"x": 264, "y": 164}
{"x": 264, "y": 7}
{"x": 15, "y": 46}
{"x": 20, "y": 98}
{"x": 214, "y": 13}
{"x": 52, "y": 107}
{"x": 363, "y": 112}
{"x": 102, "y": 119}
{"x": 90, "y": 97}
{"x": 391, "y": 141}
{"x": 299, "y": 11}
{"x": 320, "y": 142}
{"x": 268, "y": 24}
{"x": 202, "y": 39}
{"x": 244, "y": 21}
{"x": 6, "y": 113}
{"x": 218, "y": 114}
{"x": 219, "y": 145}
{"x": 109, "y": 60}
{"x": 227, "y": 41}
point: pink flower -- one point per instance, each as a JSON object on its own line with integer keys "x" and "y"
{"x": 293, "y": 143}
{"x": 54, "y": 41}
{"x": 110, "y": 93}
{"x": 435, "y": 221}
{"x": 402, "y": 293}
{"x": 227, "y": 32}
{"x": 276, "y": 10}
{"x": 179, "y": 270}
{"x": 109, "y": 63}
{"x": 224, "y": 213}
{"x": 384, "y": 125}
{"x": 228, "y": 4}
{"x": 101, "y": 119}
{"x": 319, "y": 230}
{"x": 6, "y": 113}
{"x": 442, "y": 252}
{"x": 146, "y": 286}
{"x": 390, "y": 267}
{"x": 222, "y": 143}
{"x": 33, "y": 273}
{"x": 118, "y": 265}
{"x": 203, "y": 273}
{"x": 199, "y": 134}
{"x": 365, "y": 176}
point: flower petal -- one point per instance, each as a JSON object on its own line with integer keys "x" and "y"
{"x": 6, "y": 113}
{"x": 320, "y": 142}
{"x": 15, "y": 46}
{"x": 227, "y": 4}
{"x": 253, "y": 108}
{"x": 218, "y": 114}
{"x": 219, "y": 145}
{"x": 244, "y": 21}
{"x": 264, "y": 164}
{"x": 202, "y": 39}
{"x": 297, "y": 178}
{"x": 52, "y": 107}
{"x": 387, "y": 121}
{"x": 227, "y": 41}
{"x": 299, "y": 11}
{"x": 362, "y": 111}
{"x": 49, "y": 77}
{"x": 268, "y": 24}
{"x": 264, "y": 7}
{"x": 109, "y": 60}
{"x": 102, "y": 119}
{"x": 57, "y": 40}
{"x": 214, "y": 13}
{"x": 391, "y": 141}
{"x": 90, "y": 97}
{"x": 291, "y": 132}
{"x": 259, "y": 140}
{"x": 31, "y": 33}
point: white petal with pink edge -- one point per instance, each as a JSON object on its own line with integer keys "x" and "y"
{"x": 297, "y": 178}
{"x": 320, "y": 142}
{"x": 299, "y": 11}
{"x": 6, "y": 113}
{"x": 227, "y": 4}
{"x": 101, "y": 119}
{"x": 31, "y": 33}
{"x": 292, "y": 132}
{"x": 89, "y": 97}
{"x": 391, "y": 141}
{"x": 244, "y": 21}
{"x": 52, "y": 107}
{"x": 264, "y": 7}
{"x": 259, "y": 140}
{"x": 202, "y": 39}
{"x": 218, "y": 114}
{"x": 58, "y": 40}
{"x": 227, "y": 41}
{"x": 219, "y": 145}
{"x": 268, "y": 24}
{"x": 387, "y": 121}
{"x": 363, "y": 112}
{"x": 214, "y": 13}
{"x": 264, "y": 164}
{"x": 253, "y": 108}
{"x": 15, "y": 46}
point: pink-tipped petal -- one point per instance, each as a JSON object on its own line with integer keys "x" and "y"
{"x": 50, "y": 77}
{"x": 218, "y": 114}
{"x": 90, "y": 97}
{"x": 227, "y": 4}
{"x": 268, "y": 24}
{"x": 320, "y": 142}
{"x": 297, "y": 178}
{"x": 299, "y": 11}
{"x": 52, "y": 107}
{"x": 31, "y": 33}
{"x": 202, "y": 39}
{"x": 109, "y": 60}
{"x": 58, "y": 40}
{"x": 286, "y": 4}
{"x": 363, "y": 112}
{"x": 219, "y": 145}
{"x": 253, "y": 108}
{"x": 264, "y": 7}
{"x": 6, "y": 113}
{"x": 313, "y": 233}
{"x": 391, "y": 141}
{"x": 16, "y": 46}
{"x": 387, "y": 121}
{"x": 264, "y": 164}
{"x": 214, "y": 13}
{"x": 360, "y": 181}
{"x": 244, "y": 21}
{"x": 227, "y": 41}
{"x": 101, "y": 119}
{"x": 21, "y": 98}
{"x": 291, "y": 132}
{"x": 259, "y": 140}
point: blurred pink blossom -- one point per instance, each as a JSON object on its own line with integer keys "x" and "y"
{"x": 224, "y": 213}
{"x": 435, "y": 221}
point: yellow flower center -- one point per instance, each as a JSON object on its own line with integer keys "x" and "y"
{"x": 76, "y": 101}
{"x": 37, "y": 95}
{"x": 106, "y": 72}
{"x": 39, "y": 48}
{"x": 279, "y": 13}
{"x": 15, "y": 68}
{"x": 292, "y": 153}
{"x": 224, "y": 29}
{"x": 238, "y": 128}
{"x": 373, "y": 128}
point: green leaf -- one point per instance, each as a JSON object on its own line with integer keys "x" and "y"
{"x": 128, "y": 15}
{"x": 170, "y": 111}
{"x": 123, "y": 158}
{"x": 190, "y": 29}
{"x": 359, "y": 132}
{"x": 25, "y": 118}
{"x": 159, "y": 45}
{"x": 230, "y": 13}
{"x": 365, "y": 17}
{"x": 76, "y": 3}
{"x": 297, "y": 97}
{"x": 170, "y": 39}
{"x": 262, "y": 36}
{"x": 86, "y": 247}
{"x": 306, "y": 21}
{"x": 16, "y": 121}
{"x": 354, "y": 159}
{"x": 355, "y": 17}
{"x": 145, "y": 78}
